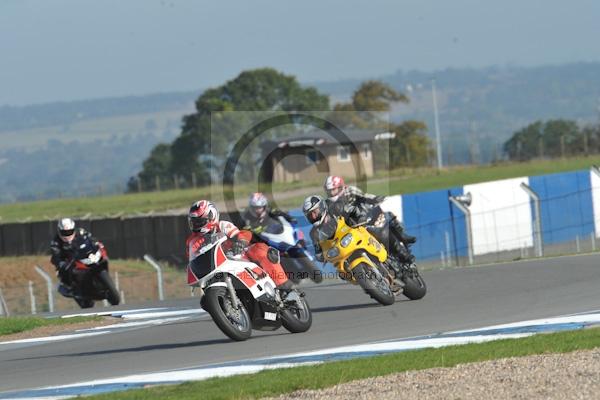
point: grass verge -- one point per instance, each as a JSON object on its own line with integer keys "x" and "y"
{"x": 275, "y": 382}
{"x": 12, "y": 325}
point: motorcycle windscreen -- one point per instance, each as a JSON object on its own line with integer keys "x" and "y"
{"x": 203, "y": 264}
{"x": 327, "y": 229}
{"x": 274, "y": 227}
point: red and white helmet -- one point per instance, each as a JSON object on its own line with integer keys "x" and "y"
{"x": 334, "y": 187}
{"x": 258, "y": 204}
{"x": 203, "y": 216}
{"x": 66, "y": 229}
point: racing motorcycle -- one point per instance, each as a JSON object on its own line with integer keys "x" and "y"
{"x": 239, "y": 295}
{"x": 89, "y": 274}
{"x": 400, "y": 260}
{"x": 297, "y": 262}
{"x": 361, "y": 259}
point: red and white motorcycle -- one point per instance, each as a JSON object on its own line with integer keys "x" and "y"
{"x": 239, "y": 295}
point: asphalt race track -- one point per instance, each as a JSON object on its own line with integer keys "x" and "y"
{"x": 457, "y": 298}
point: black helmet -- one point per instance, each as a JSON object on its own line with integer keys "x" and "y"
{"x": 315, "y": 209}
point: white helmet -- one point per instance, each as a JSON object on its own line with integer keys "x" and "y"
{"x": 257, "y": 205}
{"x": 66, "y": 229}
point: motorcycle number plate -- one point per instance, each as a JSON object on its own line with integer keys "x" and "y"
{"x": 269, "y": 316}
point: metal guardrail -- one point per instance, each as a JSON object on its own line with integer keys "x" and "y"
{"x": 49, "y": 285}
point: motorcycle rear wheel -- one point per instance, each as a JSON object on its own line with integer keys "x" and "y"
{"x": 415, "y": 287}
{"x": 218, "y": 304}
{"x": 376, "y": 286}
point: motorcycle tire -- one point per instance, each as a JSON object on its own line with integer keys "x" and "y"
{"x": 112, "y": 294}
{"x": 297, "y": 319}
{"x": 374, "y": 284}
{"x": 215, "y": 302}
{"x": 414, "y": 285}
{"x": 84, "y": 303}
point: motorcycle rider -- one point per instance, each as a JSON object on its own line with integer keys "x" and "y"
{"x": 315, "y": 210}
{"x": 203, "y": 220}
{"x": 354, "y": 205}
{"x": 62, "y": 252}
{"x": 257, "y": 212}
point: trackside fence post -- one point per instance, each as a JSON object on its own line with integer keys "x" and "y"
{"x": 32, "y": 299}
{"x": 158, "y": 269}
{"x": 462, "y": 203}
{"x": 48, "y": 280}
{"x": 3, "y": 307}
{"x": 537, "y": 226}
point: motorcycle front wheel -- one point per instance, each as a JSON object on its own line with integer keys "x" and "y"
{"x": 235, "y": 323}
{"x": 297, "y": 317}
{"x": 376, "y": 286}
{"x": 112, "y": 294}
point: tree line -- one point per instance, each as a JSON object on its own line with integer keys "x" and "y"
{"x": 553, "y": 139}
{"x": 187, "y": 161}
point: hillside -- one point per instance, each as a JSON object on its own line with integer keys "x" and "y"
{"x": 89, "y": 147}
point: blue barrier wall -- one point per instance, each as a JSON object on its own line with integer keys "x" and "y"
{"x": 566, "y": 205}
{"x": 428, "y": 216}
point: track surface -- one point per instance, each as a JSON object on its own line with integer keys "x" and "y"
{"x": 461, "y": 298}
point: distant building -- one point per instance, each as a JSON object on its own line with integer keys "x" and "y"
{"x": 317, "y": 154}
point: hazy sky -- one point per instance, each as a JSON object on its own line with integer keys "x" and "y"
{"x": 74, "y": 49}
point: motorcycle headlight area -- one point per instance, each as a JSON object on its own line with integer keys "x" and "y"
{"x": 346, "y": 240}
{"x": 333, "y": 252}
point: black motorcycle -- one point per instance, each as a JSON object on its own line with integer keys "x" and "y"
{"x": 90, "y": 280}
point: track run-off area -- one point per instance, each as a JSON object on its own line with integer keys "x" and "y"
{"x": 175, "y": 341}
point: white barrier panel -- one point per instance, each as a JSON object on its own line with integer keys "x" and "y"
{"x": 393, "y": 204}
{"x": 501, "y": 217}
{"x": 595, "y": 182}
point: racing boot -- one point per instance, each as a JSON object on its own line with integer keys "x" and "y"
{"x": 403, "y": 252}
{"x": 285, "y": 288}
{"x": 65, "y": 290}
{"x": 398, "y": 230}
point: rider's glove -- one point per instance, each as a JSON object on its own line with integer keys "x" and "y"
{"x": 319, "y": 257}
{"x": 239, "y": 246}
{"x": 64, "y": 266}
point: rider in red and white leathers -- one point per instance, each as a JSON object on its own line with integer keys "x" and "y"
{"x": 203, "y": 220}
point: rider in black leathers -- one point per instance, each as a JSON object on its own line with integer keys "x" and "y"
{"x": 354, "y": 205}
{"x": 62, "y": 252}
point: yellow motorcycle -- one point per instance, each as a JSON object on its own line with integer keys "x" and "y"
{"x": 360, "y": 259}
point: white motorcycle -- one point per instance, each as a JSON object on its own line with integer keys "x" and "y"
{"x": 297, "y": 262}
{"x": 239, "y": 295}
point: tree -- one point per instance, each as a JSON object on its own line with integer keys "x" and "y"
{"x": 410, "y": 147}
{"x": 553, "y": 138}
{"x": 156, "y": 166}
{"x": 370, "y": 99}
{"x": 263, "y": 89}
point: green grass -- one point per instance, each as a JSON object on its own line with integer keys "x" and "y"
{"x": 401, "y": 181}
{"x": 421, "y": 180}
{"x": 12, "y": 325}
{"x": 275, "y": 382}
